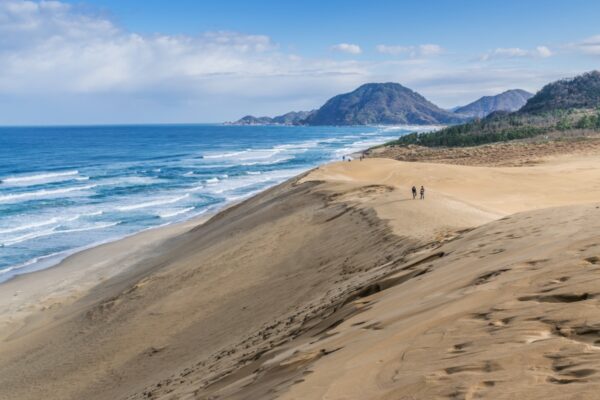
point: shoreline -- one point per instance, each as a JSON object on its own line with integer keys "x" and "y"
{"x": 66, "y": 254}
{"x": 72, "y": 277}
{"x": 35, "y": 262}
{"x": 192, "y": 308}
{"x": 29, "y": 266}
{"x": 208, "y": 213}
{"x": 156, "y": 234}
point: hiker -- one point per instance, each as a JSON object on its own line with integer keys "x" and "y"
{"x": 414, "y": 192}
{"x": 422, "y": 193}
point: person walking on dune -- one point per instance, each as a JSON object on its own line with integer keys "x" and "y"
{"x": 422, "y": 193}
{"x": 414, "y": 192}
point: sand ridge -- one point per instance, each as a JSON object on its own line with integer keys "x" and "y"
{"x": 336, "y": 284}
{"x": 513, "y": 317}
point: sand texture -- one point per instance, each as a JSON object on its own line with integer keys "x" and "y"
{"x": 333, "y": 285}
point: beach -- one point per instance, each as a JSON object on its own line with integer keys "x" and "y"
{"x": 93, "y": 184}
{"x": 335, "y": 284}
{"x": 299, "y": 200}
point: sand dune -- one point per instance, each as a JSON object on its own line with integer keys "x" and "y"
{"x": 510, "y": 311}
{"x": 337, "y": 285}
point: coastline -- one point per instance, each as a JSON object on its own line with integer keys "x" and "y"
{"x": 107, "y": 203}
{"x": 194, "y": 307}
{"x": 72, "y": 277}
{"x": 69, "y": 278}
{"x": 81, "y": 270}
{"x": 201, "y": 218}
{"x": 66, "y": 281}
{"x": 40, "y": 261}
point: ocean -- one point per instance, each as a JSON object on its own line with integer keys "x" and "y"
{"x": 63, "y": 189}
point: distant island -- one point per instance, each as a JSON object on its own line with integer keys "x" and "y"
{"x": 291, "y": 118}
{"x": 391, "y": 104}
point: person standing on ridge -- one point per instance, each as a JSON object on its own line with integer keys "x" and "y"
{"x": 422, "y": 193}
{"x": 414, "y": 192}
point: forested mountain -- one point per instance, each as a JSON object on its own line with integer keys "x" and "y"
{"x": 381, "y": 103}
{"x": 370, "y": 104}
{"x": 565, "y": 105}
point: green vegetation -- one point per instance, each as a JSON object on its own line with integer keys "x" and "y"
{"x": 583, "y": 91}
{"x": 565, "y": 105}
{"x": 500, "y": 127}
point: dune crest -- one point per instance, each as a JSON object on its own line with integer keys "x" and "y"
{"x": 336, "y": 284}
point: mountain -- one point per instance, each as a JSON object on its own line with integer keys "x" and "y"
{"x": 291, "y": 118}
{"x": 381, "y": 103}
{"x": 567, "y": 106}
{"x": 511, "y": 100}
{"x": 252, "y": 120}
{"x": 583, "y": 91}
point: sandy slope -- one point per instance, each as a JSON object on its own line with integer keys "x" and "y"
{"x": 337, "y": 285}
{"x": 513, "y": 153}
{"x": 509, "y": 312}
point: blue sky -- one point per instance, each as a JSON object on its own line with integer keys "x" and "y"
{"x": 99, "y": 61}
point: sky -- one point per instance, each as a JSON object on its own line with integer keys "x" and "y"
{"x": 124, "y": 61}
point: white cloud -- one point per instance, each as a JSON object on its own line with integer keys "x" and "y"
{"x": 61, "y": 65}
{"x": 589, "y": 45}
{"x": 429, "y": 49}
{"x": 516, "y": 52}
{"x": 51, "y": 47}
{"x": 62, "y": 59}
{"x": 393, "y": 49}
{"x": 423, "y": 50}
{"x": 347, "y": 48}
{"x": 543, "y": 51}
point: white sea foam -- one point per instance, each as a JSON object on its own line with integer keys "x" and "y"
{"x": 245, "y": 155}
{"x": 174, "y": 213}
{"x": 29, "y": 236}
{"x": 29, "y": 226}
{"x": 53, "y": 220}
{"x": 299, "y": 147}
{"x": 262, "y": 179}
{"x": 43, "y": 193}
{"x": 260, "y": 154}
{"x": 270, "y": 162}
{"x": 225, "y": 155}
{"x": 93, "y": 214}
{"x": 239, "y": 185}
{"x": 153, "y": 203}
{"x": 196, "y": 188}
{"x": 47, "y": 176}
{"x": 129, "y": 180}
{"x": 331, "y": 140}
{"x": 54, "y": 231}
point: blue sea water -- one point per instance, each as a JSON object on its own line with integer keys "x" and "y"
{"x": 66, "y": 188}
